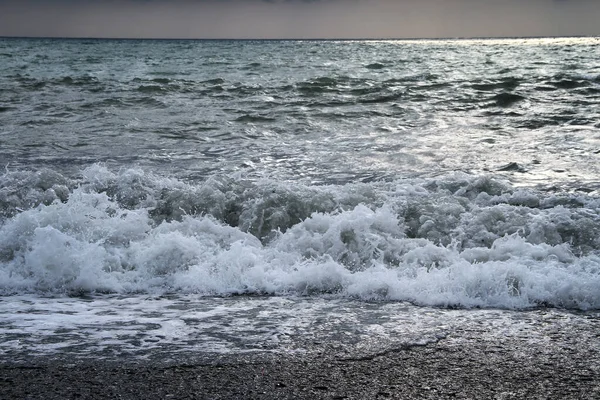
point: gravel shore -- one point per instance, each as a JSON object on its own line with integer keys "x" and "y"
{"x": 461, "y": 366}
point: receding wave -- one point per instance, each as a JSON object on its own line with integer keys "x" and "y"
{"x": 459, "y": 240}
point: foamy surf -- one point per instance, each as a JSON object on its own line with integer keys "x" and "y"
{"x": 459, "y": 240}
{"x": 175, "y": 328}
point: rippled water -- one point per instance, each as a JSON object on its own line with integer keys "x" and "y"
{"x": 321, "y": 111}
{"x": 310, "y": 174}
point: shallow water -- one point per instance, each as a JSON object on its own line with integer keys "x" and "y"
{"x": 179, "y": 328}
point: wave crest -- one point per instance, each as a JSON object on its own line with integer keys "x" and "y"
{"x": 459, "y": 240}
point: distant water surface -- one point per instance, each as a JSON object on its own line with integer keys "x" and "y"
{"x": 315, "y": 111}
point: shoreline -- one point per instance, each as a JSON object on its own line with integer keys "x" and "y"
{"x": 459, "y": 366}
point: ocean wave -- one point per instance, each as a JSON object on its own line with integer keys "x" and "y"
{"x": 505, "y": 83}
{"x": 85, "y": 83}
{"x": 459, "y": 240}
{"x": 375, "y": 66}
{"x": 506, "y": 99}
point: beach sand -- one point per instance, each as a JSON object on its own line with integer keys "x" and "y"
{"x": 464, "y": 365}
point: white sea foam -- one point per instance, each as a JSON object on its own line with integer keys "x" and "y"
{"x": 457, "y": 241}
{"x": 110, "y": 327}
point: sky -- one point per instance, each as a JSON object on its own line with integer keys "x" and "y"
{"x": 299, "y": 18}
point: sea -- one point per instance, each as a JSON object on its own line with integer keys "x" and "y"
{"x": 162, "y": 199}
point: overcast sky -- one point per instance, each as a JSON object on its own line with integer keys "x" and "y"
{"x": 298, "y": 18}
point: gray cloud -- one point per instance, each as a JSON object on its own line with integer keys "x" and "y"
{"x": 298, "y": 18}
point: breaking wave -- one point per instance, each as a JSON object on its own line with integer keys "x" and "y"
{"x": 460, "y": 240}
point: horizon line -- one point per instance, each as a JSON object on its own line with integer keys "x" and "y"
{"x": 300, "y": 39}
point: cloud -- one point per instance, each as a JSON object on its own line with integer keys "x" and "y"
{"x": 298, "y": 18}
